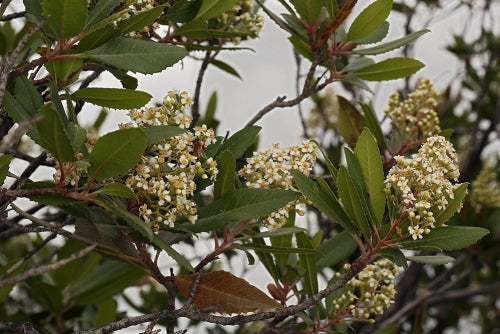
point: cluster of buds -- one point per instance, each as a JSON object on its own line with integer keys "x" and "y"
{"x": 164, "y": 179}
{"x": 369, "y": 293}
{"x": 422, "y": 183}
{"x": 486, "y": 189}
{"x": 242, "y": 18}
{"x": 415, "y": 118}
{"x": 272, "y": 169}
{"x": 324, "y": 115}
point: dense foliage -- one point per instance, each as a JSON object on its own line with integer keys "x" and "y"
{"x": 122, "y": 218}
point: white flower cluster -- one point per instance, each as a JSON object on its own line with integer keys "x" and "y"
{"x": 416, "y": 116}
{"x": 486, "y": 189}
{"x": 422, "y": 183}
{"x": 272, "y": 168}
{"x": 370, "y": 292}
{"x": 164, "y": 180}
{"x": 135, "y": 7}
{"x": 243, "y": 18}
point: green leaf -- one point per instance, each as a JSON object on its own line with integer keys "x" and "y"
{"x": 100, "y": 11}
{"x": 447, "y": 238}
{"x": 183, "y": 11}
{"x": 27, "y": 95}
{"x": 239, "y": 205}
{"x": 350, "y": 122}
{"x": 113, "y": 97}
{"x": 57, "y": 103}
{"x": 77, "y": 136}
{"x": 126, "y": 80}
{"x": 53, "y": 136}
{"x": 276, "y": 249}
{"x": 395, "y": 255}
{"x": 369, "y": 19}
{"x": 308, "y": 9}
{"x": 134, "y": 221}
{"x": 267, "y": 259}
{"x": 213, "y": 8}
{"x": 116, "y": 152}
{"x": 431, "y": 259}
{"x": 373, "y": 124}
{"x": 390, "y": 69}
{"x": 226, "y": 164}
{"x": 357, "y": 64}
{"x": 308, "y": 263}
{"x": 141, "y": 20}
{"x": 283, "y": 231}
{"x": 226, "y": 68}
{"x": 335, "y": 249}
{"x": 106, "y": 281}
{"x": 60, "y": 70}
{"x": 105, "y": 313}
{"x": 137, "y": 55}
{"x": 324, "y": 202}
{"x": 376, "y": 36}
{"x": 157, "y": 133}
{"x": 370, "y": 161}
{"x": 392, "y": 45}
{"x": 352, "y": 202}
{"x": 387, "y": 329}
{"x": 116, "y": 189}
{"x": 4, "y": 166}
{"x": 66, "y": 17}
{"x": 200, "y": 29}
{"x": 453, "y": 205}
{"x": 239, "y": 142}
{"x": 331, "y": 168}
{"x": 176, "y": 256}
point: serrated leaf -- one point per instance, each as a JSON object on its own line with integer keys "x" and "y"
{"x": 107, "y": 280}
{"x": 116, "y": 152}
{"x": 4, "y": 166}
{"x": 335, "y": 249}
{"x": 27, "y": 95}
{"x": 137, "y": 55}
{"x": 101, "y": 10}
{"x": 226, "y": 68}
{"x": 240, "y": 141}
{"x": 351, "y": 202}
{"x": 379, "y": 34}
{"x": 155, "y": 134}
{"x": 390, "y": 69}
{"x": 183, "y": 11}
{"x": 351, "y": 122}
{"x": 392, "y": 45}
{"x": 213, "y": 8}
{"x": 116, "y": 189}
{"x": 176, "y": 256}
{"x": 140, "y": 20}
{"x": 225, "y": 293}
{"x": 369, "y": 19}
{"x": 324, "y": 202}
{"x": 447, "y": 238}
{"x": 66, "y": 17}
{"x": 370, "y": 161}
{"x": 226, "y": 164}
{"x": 113, "y": 97}
{"x": 239, "y": 205}
{"x": 431, "y": 259}
{"x": 453, "y": 204}
{"x": 53, "y": 136}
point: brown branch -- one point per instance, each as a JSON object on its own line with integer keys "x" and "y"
{"x": 195, "y": 109}
{"x": 17, "y": 327}
{"x": 12, "y": 16}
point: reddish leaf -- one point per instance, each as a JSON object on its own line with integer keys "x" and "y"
{"x": 226, "y": 293}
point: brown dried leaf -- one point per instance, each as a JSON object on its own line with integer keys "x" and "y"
{"x": 225, "y": 293}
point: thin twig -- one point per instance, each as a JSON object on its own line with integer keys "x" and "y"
{"x": 12, "y": 16}
{"x": 195, "y": 109}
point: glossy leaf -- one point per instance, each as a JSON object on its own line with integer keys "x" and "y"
{"x": 241, "y": 140}
{"x": 350, "y": 122}
{"x": 4, "y": 166}
{"x": 369, "y": 19}
{"x": 335, "y": 249}
{"x": 53, "y": 136}
{"x": 370, "y": 161}
{"x": 324, "y": 202}
{"x": 106, "y": 281}
{"x": 226, "y": 164}
{"x": 267, "y": 259}
{"x": 137, "y": 55}
{"x": 225, "y": 293}
{"x": 357, "y": 64}
{"x": 116, "y": 152}
{"x": 155, "y": 134}
{"x": 213, "y": 8}
{"x": 66, "y": 17}
{"x": 116, "y": 189}
{"x": 239, "y": 205}
{"x": 431, "y": 259}
{"x": 112, "y": 97}
{"x": 225, "y": 67}
{"x": 447, "y": 238}
{"x": 183, "y": 11}
{"x": 390, "y": 69}
{"x": 392, "y": 45}
{"x": 175, "y": 255}
{"x": 308, "y": 264}
{"x": 453, "y": 205}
